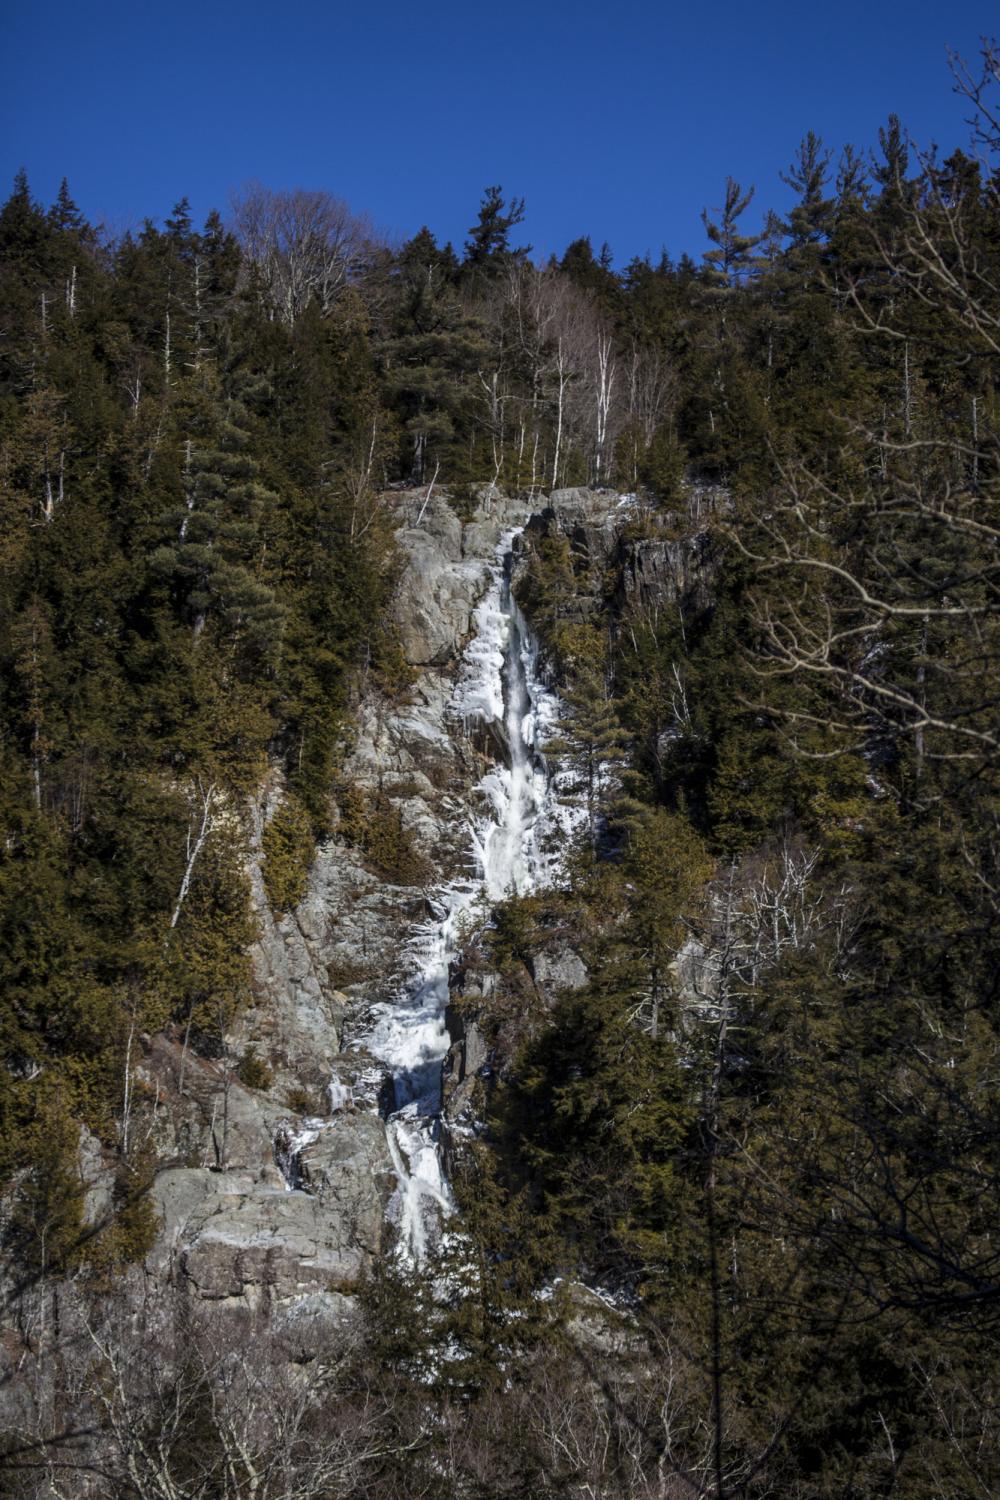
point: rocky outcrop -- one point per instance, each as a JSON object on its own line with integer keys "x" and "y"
{"x": 235, "y": 1236}
{"x": 556, "y": 968}
{"x": 277, "y": 1192}
{"x": 438, "y": 586}
{"x": 487, "y": 1019}
{"x": 466, "y": 1062}
{"x": 444, "y": 572}
{"x": 275, "y": 1178}
{"x": 671, "y": 565}
{"x": 231, "y": 1224}
{"x": 271, "y": 1193}
{"x": 696, "y": 975}
{"x": 198, "y": 1115}
{"x": 658, "y": 572}
{"x": 590, "y": 519}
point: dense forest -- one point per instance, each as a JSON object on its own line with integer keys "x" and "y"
{"x": 785, "y": 1197}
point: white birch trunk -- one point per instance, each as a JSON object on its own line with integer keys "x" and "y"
{"x": 195, "y": 843}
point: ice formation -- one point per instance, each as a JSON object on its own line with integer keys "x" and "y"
{"x": 516, "y": 839}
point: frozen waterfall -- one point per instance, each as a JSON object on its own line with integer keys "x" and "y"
{"x": 514, "y": 848}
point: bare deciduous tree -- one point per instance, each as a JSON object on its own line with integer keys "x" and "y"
{"x": 306, "y": 245}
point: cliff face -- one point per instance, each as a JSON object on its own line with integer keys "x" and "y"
{"x": 270, "y": 1195}
{"x": 320, "y": 1140}
{"x": 282, "y": 1194}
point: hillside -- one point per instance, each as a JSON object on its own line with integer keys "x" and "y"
{"x": 499, "y": 867}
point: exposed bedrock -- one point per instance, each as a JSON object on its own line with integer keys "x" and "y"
{"x": 233, "y": 1230}
{"x": 274, "y": 1166}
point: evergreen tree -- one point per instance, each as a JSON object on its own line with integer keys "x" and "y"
{"x": 488, "y": 250}
{"x": 808, "y": 175}
{"x": 435, "y": 346}
{"x": 211, "y": 561}
{"x": 591, "y": 742}
{"x": 64, "y": 214}
{"x": 728, "y": 262}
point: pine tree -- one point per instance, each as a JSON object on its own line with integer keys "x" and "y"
{"x": 670, "y": 868}
{"x": 435, "y": 346}
{"x": 729, "y": 262}
{"x": 47, "y": 1229}
{"x": 592, "y": 1120}
{"x": 23, "y": 227}
{"x": 64, "y": 215}
{"x": 808, "y": 175}
{"x": 488, "y": 250}
{"x": 211, "y": 560}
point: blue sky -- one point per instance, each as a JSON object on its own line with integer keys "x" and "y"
{"x": 618, "y": 120}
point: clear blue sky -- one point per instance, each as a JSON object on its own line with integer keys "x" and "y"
{"x": 618, "y": 120}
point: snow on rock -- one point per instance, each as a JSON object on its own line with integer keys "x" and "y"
{"x": 290, "y": 1142}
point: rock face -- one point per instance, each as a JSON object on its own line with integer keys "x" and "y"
{"x": 438, "y": 587}
{"x": 589, "y": 518}
{"x": 673, "y": 566}
{"x": 479, "y": 1052}
{"x": 445, "y": 572}
{"x": 556, "y": 969}
{"x": 274, "y": 1167}
{"x": 244, "y": 1241}
{"x": 415, "y": 754}
{"x": 245, "y": 1234}
{"x": 277, "y": 1194}
{"x": 467, "y": 1061}
{"x": 662, "y": 571}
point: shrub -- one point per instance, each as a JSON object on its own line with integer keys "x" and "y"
{"x": 288, "y": 847}
{"x": 302, "y": 1102}
{"x": 375, "y": 826}
{"x": 253, "y": 1072}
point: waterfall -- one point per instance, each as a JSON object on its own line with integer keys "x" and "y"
{"x": 514, "y": 848}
